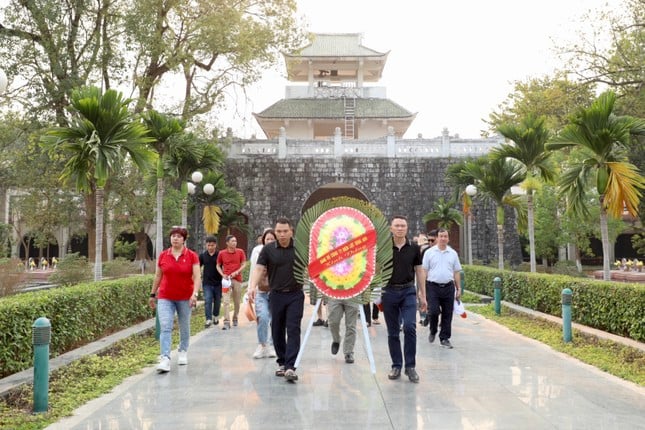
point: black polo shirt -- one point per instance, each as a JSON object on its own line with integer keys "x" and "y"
{"x": 279, "y": 263}
{"x": 211, "y": 276}
{"x": 404, "y": 262}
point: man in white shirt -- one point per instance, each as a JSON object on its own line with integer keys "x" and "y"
{"x": 442, "y": 270}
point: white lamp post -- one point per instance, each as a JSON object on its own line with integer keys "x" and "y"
{"x": 192, "y": 188}
{"x": 471, "y": 190}
{"x": 3, "y": 82}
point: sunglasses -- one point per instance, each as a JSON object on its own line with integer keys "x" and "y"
{"x": 431, "y": 240}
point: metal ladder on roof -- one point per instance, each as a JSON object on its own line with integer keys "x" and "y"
{"x": 350, "y": 116}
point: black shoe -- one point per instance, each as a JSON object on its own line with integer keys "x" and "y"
{"x": 446, "y": 343}
{"x": 425, "y": 322}
{"x": 334, "y": 347}
{"x": 413, "y": 376}
{"x": 349, "y": 358}
{"x": 395, "y": 373}
{"x": 318, "y": 323}
{"x": 432, "y": 337}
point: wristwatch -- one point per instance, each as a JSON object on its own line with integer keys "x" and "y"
{"x": 153, "y": 295}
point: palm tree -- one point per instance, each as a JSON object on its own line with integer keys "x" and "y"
{"x": 187, "y": 156}
{"x": 99, "y": 139}
{"x": 224, "y": 198}
{"x": 444, "y": 212}
{"x": 164, "y": 130}
{"x": 494, "y": 179}
{"x": 603, "y": 138}
{"x": 530, "y": 137}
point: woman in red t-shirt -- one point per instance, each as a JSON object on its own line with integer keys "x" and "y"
{"x": 230, "y": 264}
{"x": 176, "y": 284}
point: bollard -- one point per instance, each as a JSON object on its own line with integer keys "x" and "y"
{"x": 41, "y": 338}
{"x": 462, "y": 282}
{"x": 566, "y": 314}
{"x": 497, "y": 287}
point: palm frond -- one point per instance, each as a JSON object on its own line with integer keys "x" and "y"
{"x": 623, "y": 189}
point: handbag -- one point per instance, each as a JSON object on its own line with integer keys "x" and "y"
{"x": 459, "y": 309}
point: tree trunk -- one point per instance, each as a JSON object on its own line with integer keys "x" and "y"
{"x": 142, "y": 245}
{"x": 184, "y": 211}
{"x": 159, "y": 220}
{"x": 90, "y": 224}
{"x": 500, "y": 246}
{"x": 98, "y": 247}
{"x": 531, "y": 220}
{"x": 604, "y": 234}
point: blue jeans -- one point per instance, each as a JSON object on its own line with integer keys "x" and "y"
{"x": 264, "y": 317}
{"x": 401, "y": 304}
{"x": 212, "y": 300}
{"x": 166, "y": 312}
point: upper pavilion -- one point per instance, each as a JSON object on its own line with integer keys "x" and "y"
{"x": 335, "y": 68}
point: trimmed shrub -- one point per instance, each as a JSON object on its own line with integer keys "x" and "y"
{"x": 614, "y": 307}
{"x": 78, "y": 314}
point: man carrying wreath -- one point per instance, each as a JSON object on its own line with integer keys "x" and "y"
{"x": 399, "y": 300}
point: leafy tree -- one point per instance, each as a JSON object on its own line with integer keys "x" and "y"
{"x": 603, "y": 137}
{"x": 617, "y": 65}
{"x": 212, "y": 48}
{"x": 58, "y": 46}
{"x": 100, "y": 137}
{"x": 553, "y": 97}
{"x": 51, "y": 46}
{"x": 444, "y": 212}
{"x": 529, "y": 138}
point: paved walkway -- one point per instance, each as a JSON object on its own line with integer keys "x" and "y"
{"x": 492, "y": 379}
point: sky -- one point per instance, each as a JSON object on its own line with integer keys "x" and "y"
{"x": 451, "y": 62}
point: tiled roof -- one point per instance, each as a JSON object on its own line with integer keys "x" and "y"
{"x": 333, "y": 108}
{"x": 336, "y": 45}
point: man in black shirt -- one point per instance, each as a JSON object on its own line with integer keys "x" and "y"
{"x": 212, "y": 282}
{"x": 287, "y": 299}
{"x": 399, "y": 300}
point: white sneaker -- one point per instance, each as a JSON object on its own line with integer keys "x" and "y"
{"x": 183, "y": 358}
{"x": 270, "y": 352}
{"x": 260, "y": 352}
{"x": 164, "y": 365}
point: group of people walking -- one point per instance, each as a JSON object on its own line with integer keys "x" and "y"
{"x": 424, "y": 278}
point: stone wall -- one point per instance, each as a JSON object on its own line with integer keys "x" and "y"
{"x": 276, "y": 187}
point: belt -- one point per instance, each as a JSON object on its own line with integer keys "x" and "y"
{"x": 400, "y": 286}
{"x": 288, "y": 290}
{"x": 447, "y": 284}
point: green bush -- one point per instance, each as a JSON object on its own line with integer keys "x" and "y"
{"x": 120, "y": 267}
{"x": 12, "y": 274}
{"x": 615, "y": 307}
{"x": 71, "y": 270}
{"x": 78, "y": 314}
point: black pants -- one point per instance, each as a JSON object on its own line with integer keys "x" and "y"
{"x": 441, "y": 300}
{"x": 286, "y": 316}
{"x": 369, "y": 316}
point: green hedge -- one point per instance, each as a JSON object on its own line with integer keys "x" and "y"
{"x": 78, "y": 314}
{"x": 614, "y": 307}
